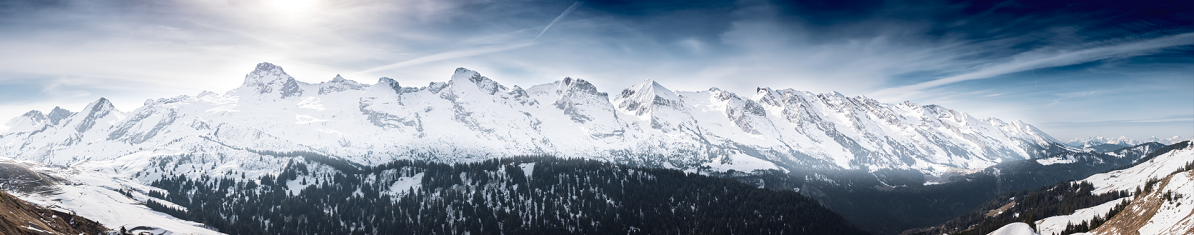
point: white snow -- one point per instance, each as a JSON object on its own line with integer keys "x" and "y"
{"x": 1136, "y": 176}
{"x": 1055, "y": 160}
{"x": 311, "y": 103}
{"x": 1056, "y": 224}
{"x": 473, "y": 118}
{"x": 527, "y": 169}
{"x": 1085, "y": 142}
{"x": 304, "y": 119}
{"x": 92, "y": 194}
{"x": 37, "y": 229}
{"x": 296, "y": 186}
{"x": 742, "y": 163}
{"x": 1175, "y": 216}
{"x": 406, "y": 185}
{"x": 1017, "y": 228}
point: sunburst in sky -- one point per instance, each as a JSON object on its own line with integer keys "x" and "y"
{"x": 1072, "y": 68}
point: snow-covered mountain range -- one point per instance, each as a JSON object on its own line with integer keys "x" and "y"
{"x": 1090, "y": 142}
{"x": 471, "y": 117}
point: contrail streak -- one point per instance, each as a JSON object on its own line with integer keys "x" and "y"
{"x": 558, "y": 18}
{"x": 470, "y": 52}
{"x": 447, "y": 55}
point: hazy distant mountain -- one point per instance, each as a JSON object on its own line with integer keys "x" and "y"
{"x": 471, "y": 118}
{"x": 1103, "y": 144}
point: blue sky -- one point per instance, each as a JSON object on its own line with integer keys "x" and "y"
{"x": 1071, "y": 68}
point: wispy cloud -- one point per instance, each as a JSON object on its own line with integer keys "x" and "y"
{"x": 471, "y": 51}
{"x": 447, "y": 55}
{"x": 1070, "y": 95}
{"x": 1044, "y": 58}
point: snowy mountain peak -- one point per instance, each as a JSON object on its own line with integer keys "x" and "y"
{"x": 389, "y": 82}
{"x": 339, "y": 84}
{"x": 58, "y": 114}
{"x": 30, "y": 121}
{"x": 206, "y": 94}
{"x": 100, "y": 105}
{"x": 1089, "y": 142}
{"x": 34, "y": 115}
{"x": 579, "y": 85}
{"x": 266, "y": 73}
{"x": 268, "y": 78}
{"x": 465, "y": 76}
{"x": 94, "y": 113}
{"x": 267, "y": 66}
{"x": 1171, "y": 140}
{"x": 642, "y": 98}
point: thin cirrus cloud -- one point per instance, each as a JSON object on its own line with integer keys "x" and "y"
{"x": 472, "y": 51}
{"x": 1045, "y": 58}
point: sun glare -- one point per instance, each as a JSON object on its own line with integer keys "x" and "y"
{"x": 292, "y": 8}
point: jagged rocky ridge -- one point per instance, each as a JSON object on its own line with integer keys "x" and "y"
{"x": 473, "y": 118}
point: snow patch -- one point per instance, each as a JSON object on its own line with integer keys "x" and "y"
{"x": 742, "y": 163}
{"x": 311, "y": 103}
{"x": 304, "y": 119}
{"x": 294, "y": 187}
{"x": 1056, "y": 160}
{"x": 1017, "y": 228}
{"x": 527, "y": 169}
{"x": 406, "y": 185}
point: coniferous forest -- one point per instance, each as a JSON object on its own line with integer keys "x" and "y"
{"x": 524, "y": 195}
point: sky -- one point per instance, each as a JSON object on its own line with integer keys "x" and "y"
{"x": 1071, "y": 68}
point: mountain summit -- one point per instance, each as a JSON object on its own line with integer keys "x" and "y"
{"x": 270, "y": 79}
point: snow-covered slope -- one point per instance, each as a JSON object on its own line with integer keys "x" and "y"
{"x": 471, "y": 117}
{"x": 1057, "y": 224}
{"x": 1156, "y": 167}
{"x": 1015, "y": 229}
{"x": 1167, "y": 209}
{"x": 94, "y": 191}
